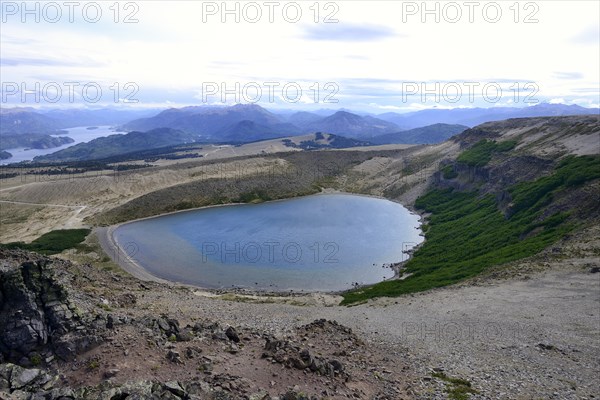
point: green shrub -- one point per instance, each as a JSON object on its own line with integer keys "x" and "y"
{"x": 448, "y": 172}
{"x": 457, "y": 389}
{"x": 255, "y": 196}
{"x": 36, "y": 360}
{"x": 481, "y": 152}
{"x": 572, "y": 171}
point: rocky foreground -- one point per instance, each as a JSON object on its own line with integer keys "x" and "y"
{"x": 529, "y": 330}
{"x": 60, "y": 339}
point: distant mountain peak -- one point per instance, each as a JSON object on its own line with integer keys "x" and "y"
{"x": 344, "y": 114}
{"x": 241, "y": 106}
{"x": 354, "y": 126}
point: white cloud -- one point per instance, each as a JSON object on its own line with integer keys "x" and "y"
{"x": 589, "y": 36}
{"x": 173, "y": 51}
{"x": 559, "y": 100}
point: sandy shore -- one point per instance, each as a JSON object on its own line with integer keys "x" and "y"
{"x": 121, "y": 258}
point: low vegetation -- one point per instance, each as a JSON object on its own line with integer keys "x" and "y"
{"x": 448, "y": 172}
{"x": 255, "y": 196}
{"x": 571, "y": 172}
{"x": 481, "y": 153}
{"x": 53, "y": 242}
{"x": 457, "y": 389}
{"x": 468, "y": 233}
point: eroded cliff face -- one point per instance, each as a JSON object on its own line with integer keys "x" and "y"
{"x": 38, "y": 321}
{"x": 544, "y": 137}
{"x": 493, "y": 178}
{"x": 539, "y": 145}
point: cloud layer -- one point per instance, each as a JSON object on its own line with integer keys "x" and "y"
{"x": 372, "y": 53}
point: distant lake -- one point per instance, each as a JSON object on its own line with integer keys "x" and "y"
{"x": 316, "y": 243}
{"x": 80, "y": 134}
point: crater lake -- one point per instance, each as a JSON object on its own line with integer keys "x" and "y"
{"x": 324, "y": 242}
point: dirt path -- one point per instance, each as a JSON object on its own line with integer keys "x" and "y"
{"x": 43, "y": 204}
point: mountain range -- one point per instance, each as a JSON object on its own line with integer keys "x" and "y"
{"x": 234, "y": 123}
{"x": 475, "y": 116}
{"x": 430, "y": 134}
{"x": 105, "y": 116}
{"x": 244, "y": 123}
{"x": 20, "y": 120}
{"x": 31, "y": 128}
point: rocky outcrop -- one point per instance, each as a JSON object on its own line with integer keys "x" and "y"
{"x": 53, "y": 314}
{"x": 15, "y": 378}
{"x": 36, "y": 384}
{"x": 294, "y": 356}
{"x": 494, "y": 177}
{"x": 22, "y": 383}
{"x": 37, "y": 319}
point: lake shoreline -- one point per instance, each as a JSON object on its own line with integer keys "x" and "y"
{"x": 115, "y": 251}
{"x": 78, "y": 134}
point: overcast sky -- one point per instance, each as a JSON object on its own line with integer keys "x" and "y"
{"x": 379, "y": 56}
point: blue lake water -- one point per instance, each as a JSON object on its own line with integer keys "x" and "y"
{"x": 315, "y": 243}
{"x": 80, "y": 135}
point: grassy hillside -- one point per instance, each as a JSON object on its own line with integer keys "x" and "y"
{"x": 469, "y": 231}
